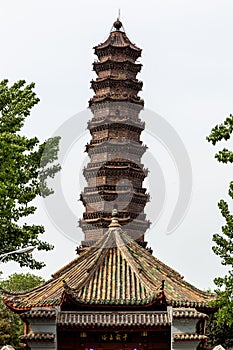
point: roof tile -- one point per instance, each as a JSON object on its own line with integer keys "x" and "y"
{"x": 110, "y": 319}
{"x": 115, "y": 271}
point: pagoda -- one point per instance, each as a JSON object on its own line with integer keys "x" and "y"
{"x": 115, "y": 294}
{"x": 115, "y": 173}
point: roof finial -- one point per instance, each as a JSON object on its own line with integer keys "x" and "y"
{"x": 115, "y": 214}
{"x": 117, "y": 24}
{"x": 162, "y": 285}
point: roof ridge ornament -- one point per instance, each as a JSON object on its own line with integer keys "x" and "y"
{"x": 117, "y": 25}
{"x": 114, "y": 219}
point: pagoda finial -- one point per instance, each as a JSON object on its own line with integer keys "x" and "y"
{"x": 114, "y": 219}
{"x": 118, "y": 24}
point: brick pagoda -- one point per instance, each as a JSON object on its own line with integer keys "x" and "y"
{"x": 115, "y": 173}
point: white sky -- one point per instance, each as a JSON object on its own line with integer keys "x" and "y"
{"x": 187, "y": 74}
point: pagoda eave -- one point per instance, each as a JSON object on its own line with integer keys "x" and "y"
{"x": 111, "y": 65}
{"x": 120, "y": 172}
{"x": 119, "y": 191}
{"x": 116, "y": 104}
{"x": 126, "y": 146}
{"x": 122, "y": 84}
{"x": 123, "y": 214}
{"x": 115, "y": 98}
{"x": 119, "y": 123}
{"x": 121, "y": 40}
{"x": 110, "y": 49}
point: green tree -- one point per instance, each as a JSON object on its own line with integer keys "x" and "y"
{"x": 25, "y": 165}
{"x": 219, "y": 333}
{"x": 221, "y": 325}
{"x": 11, "y": 326}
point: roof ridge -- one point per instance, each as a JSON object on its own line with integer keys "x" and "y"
{"x": 103, "y": 250}
{"x": 80, "y": 258}
{"x": 178, "y": 278}
{"x": 128, "y": 257}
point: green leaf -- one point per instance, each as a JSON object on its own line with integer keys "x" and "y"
{"x": 25, "y": 166}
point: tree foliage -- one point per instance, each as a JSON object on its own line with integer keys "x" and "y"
{"x": 223, "y": 321}
{"x": 25, "y": 165}
{"x": 219, "y": 334}
{"x": 11, "y": 326}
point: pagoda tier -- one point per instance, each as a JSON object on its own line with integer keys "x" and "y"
{"x": 115, "y": 172}
{"x": 126, "y": 169}
{"x": 110, "y": 195}
{"x": 101, "y": 123}
{"x": 117, "y": 47}
{"x": 110, "y": 68}
{"x": 117, "y": 106}
{"x": 115, "y": 130}
{"x": 111, "y": 149}
{"x": 105, "y": 85}
{"x": 110, "y": 97}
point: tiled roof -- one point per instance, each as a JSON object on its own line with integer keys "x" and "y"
{"x": 117, "y": 319}
{"x": 188, "y": 336}
{"x": 115, "y": 271}
{"x": 118, "y": 39}
{"x": 40, "y": 313}
{"x": 40, "y": 337}
{"x": 187, "y": 313}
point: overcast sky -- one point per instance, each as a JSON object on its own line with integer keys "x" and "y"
{"x": 187, "y": 73}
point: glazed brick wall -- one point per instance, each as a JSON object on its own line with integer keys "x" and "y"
{"x": 111, "y": 180}
{"x": 115, "y": 90}
{"x": 114, "y": 133}
{"x": 124, "y": 108}
{"x": 101, "y": 157}
{"x": 116, "y": 56}
{"x": 120, "y": 74}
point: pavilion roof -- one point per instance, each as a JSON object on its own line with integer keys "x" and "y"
{"x": 117, "y": 39}
{"x": 116, "y": 271}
